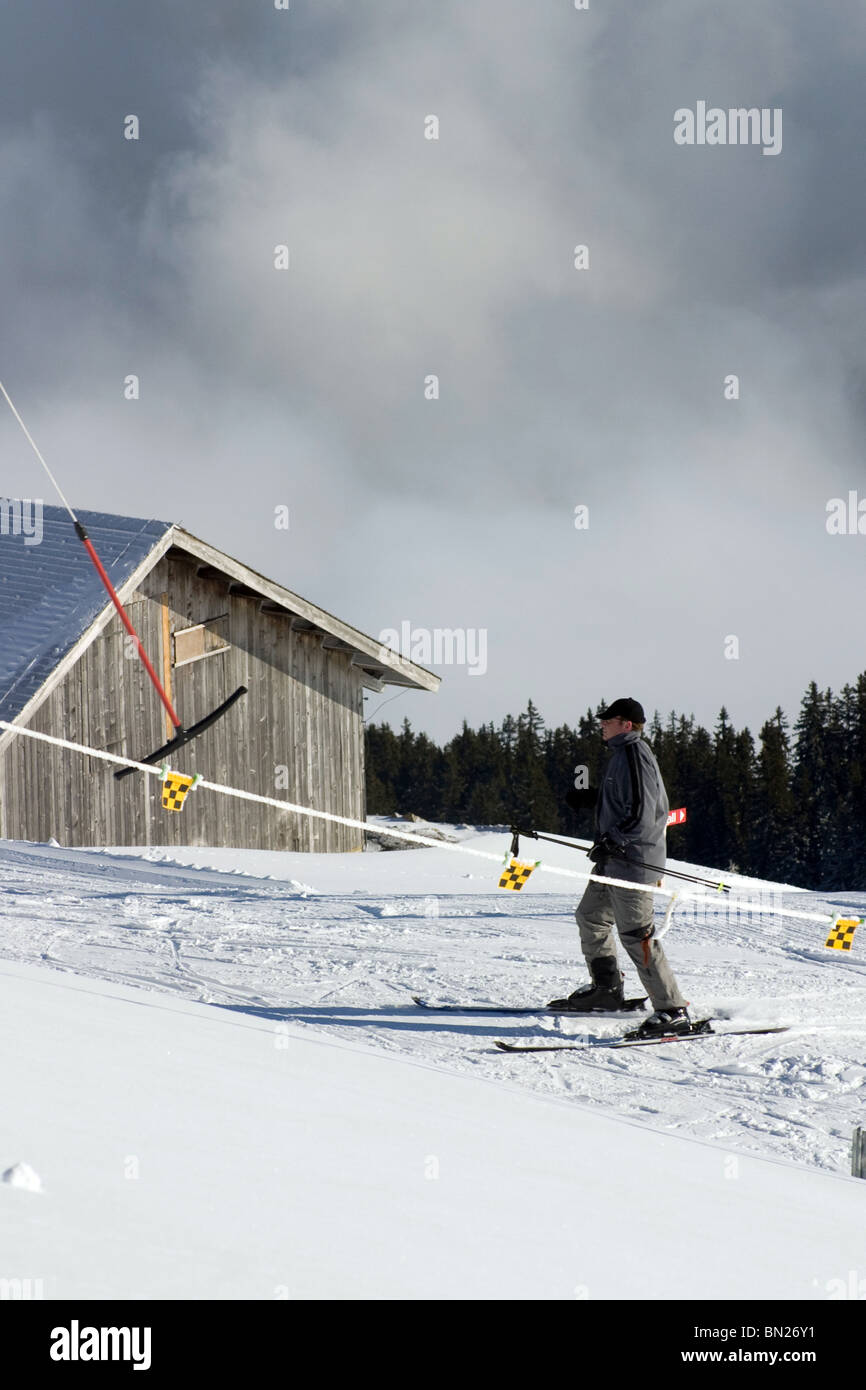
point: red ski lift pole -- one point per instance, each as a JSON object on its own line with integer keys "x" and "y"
{"x": 124, "y": 618}
{"x": 181, "y": 735}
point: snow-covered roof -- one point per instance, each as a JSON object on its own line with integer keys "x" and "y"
{"x": 50, "y": 593}
{"x": 51, "y": 596}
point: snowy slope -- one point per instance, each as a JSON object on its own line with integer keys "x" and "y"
{"x": 190, "y": 1152}
{"x": 288, "y": 1141}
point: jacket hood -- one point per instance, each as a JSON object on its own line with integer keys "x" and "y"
{"x": 630, "y": 736}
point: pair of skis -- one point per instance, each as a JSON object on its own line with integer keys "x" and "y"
{"x": 628, "y": 1006}
{"x": 700, "y": 1029}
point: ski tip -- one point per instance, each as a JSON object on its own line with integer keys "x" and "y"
{"x": 504, "y": 1046}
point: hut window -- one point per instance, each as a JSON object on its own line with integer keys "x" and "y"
{"x": 205, "y": 639}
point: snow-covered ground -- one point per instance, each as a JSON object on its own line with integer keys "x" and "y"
{"x": 222, "y": 1083}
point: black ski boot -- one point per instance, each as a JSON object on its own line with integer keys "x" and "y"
{"x": 604, "y": 995}
{"x": 664, "y": 1023}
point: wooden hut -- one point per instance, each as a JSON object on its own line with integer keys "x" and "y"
{"x": 209, "y": 624}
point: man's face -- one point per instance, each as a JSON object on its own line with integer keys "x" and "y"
{"x": 611, "y": 727}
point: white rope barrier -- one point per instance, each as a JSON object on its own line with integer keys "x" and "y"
{"x": 677, "y": 894}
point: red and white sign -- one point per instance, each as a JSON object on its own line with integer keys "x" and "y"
{"x": 677, "y": 817}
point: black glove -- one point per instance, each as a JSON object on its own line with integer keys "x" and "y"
{"x": 581, "y": 798}
{"x": 606, "y": 848}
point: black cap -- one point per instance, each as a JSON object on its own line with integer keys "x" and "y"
{"x": 625, "y": 709}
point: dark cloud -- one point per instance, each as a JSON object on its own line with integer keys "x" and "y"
{"x": 454, "y": 257}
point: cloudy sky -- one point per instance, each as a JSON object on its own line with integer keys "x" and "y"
{"x": 454, "y": 257}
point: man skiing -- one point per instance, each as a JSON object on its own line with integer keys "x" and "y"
{"x": 631, "y": 808}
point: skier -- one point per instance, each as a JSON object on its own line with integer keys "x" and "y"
{"x": 631, "y": 808}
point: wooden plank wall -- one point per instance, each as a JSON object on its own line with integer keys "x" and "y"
{"x": 302, "y": 713}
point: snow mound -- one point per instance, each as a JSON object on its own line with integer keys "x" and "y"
{"x": 22, "y": 1175}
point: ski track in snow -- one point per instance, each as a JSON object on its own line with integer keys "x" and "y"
{"x": 346, "y": 962}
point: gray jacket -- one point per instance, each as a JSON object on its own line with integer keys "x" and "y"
{"x": 632, "y": 808}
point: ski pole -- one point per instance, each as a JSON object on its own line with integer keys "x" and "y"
{"x": 655, "y": 868}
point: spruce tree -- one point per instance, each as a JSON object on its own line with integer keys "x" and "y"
{"x": 772, "y": 849}
{"x": 811, "y": 788}
{"x": 533, "y": 803}
{"x": 697, "y": 780}
{"x": 382, "y": 762}
{"x": 457, "y": 762}
{"x": 849, "y": 757}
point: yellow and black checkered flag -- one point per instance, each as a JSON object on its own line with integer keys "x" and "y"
{"x": 516, "y": 874}
{"x": 174, "y": 790}
{"x": 842, "y": 934}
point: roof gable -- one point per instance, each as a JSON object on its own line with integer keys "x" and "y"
{"x": 51, "y": 597}
{"x": 381, "y": 664}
